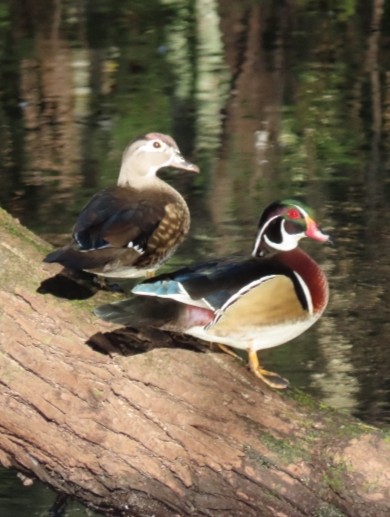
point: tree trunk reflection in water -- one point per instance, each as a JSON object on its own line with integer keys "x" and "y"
{"x": 251, "y": 115}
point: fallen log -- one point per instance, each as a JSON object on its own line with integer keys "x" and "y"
{"x": 141, "y": 424}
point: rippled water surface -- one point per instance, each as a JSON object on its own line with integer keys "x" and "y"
{"x": 270, "y": 101}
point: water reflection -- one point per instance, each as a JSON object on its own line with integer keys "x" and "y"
{"x": 272, "y": 101}
{"x": 35, "y": 500}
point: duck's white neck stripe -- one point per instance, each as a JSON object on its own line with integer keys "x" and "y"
{"x": 260, "y": 235}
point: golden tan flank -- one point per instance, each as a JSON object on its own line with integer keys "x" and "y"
{"x": 273, "y": 302}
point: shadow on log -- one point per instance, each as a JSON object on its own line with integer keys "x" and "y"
{"x": 142, "y": 424}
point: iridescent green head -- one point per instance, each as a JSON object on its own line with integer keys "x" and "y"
{"x": 283, "y": 224}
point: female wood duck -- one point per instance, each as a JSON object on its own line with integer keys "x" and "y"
{"x": 255, "y": 303}
{"x": 131, "y": 229}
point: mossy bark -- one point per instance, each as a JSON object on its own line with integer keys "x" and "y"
{"x": 146, "y": 424}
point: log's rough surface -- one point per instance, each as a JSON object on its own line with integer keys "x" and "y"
{"x": 140, "y": 425}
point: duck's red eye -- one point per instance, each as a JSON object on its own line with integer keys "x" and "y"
{"x": 156, "y": 144}
{"x": 293, "y": 213}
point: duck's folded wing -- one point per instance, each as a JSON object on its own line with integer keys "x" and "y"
{"x": 217, "y": 284}
{"x": 113, "y": 218}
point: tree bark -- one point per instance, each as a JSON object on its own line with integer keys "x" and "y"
{"x": 142, "y": 424}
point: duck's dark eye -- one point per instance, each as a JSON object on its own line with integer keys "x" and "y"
{"x": 156, "y": 144}
{"x": 293, "y": 213}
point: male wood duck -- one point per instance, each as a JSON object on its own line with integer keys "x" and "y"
{"x": 254, "y": 303}
{"x": 131, "y": 229}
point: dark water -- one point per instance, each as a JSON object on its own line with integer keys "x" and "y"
{"x": 271, "y": 101}
{"x": 37, "y": 500}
